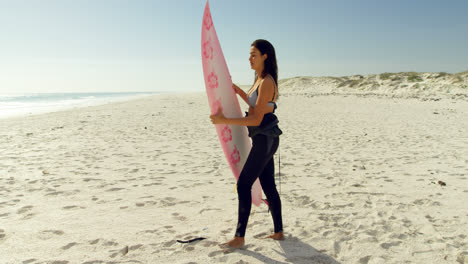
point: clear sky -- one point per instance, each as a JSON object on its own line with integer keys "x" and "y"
{"x": 154, "y": 45}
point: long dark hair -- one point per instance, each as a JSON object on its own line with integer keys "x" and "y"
{"x": 271, "y": 67}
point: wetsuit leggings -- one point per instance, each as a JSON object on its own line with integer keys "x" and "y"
{"x": 260, "y": 165}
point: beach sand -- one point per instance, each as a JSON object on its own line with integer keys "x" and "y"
{"x": 363, "y": 180}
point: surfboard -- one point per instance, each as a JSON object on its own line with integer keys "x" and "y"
{"x": 234, "y": 139}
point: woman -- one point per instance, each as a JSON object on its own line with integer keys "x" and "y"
{"x": 263, "y": 130}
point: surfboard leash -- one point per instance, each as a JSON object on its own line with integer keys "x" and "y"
{"x": 279, "y": 166}
{"x": 191, "y": 240}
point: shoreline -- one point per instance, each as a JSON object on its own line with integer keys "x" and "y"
{"x": 76, "y": 106}
{"x": 309, "y": 94}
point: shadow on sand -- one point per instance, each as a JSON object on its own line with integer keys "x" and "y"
{"x": 294, "y": 251}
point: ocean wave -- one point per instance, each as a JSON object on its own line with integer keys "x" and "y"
{"x": 24, "y": 104}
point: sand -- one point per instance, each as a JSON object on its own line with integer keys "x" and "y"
{"x": 363, "y": 180}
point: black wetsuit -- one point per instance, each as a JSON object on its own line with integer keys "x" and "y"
{"x": 260, "y": 165}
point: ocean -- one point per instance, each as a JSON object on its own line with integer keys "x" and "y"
{"x": 12, "y": 105}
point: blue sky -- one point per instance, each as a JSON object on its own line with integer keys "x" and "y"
{"x": 152, "y": 45}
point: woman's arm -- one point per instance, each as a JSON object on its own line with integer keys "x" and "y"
{"x": 265, "y": 92}
{"x": 240, "y": 92}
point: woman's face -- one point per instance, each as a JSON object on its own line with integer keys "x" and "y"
{"x": 256, "y": 59}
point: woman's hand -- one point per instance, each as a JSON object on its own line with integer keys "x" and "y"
{"x": 218, "y": 118}
{"x": 236, "y": 88}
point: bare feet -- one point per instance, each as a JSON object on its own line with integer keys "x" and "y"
{"x": 276, "y": 236}
{"x": 236, "y": 242}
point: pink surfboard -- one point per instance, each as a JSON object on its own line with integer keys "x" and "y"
{"x": 234, "y": 139}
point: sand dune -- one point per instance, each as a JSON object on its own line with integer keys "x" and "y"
{"x": 396, "y": 85}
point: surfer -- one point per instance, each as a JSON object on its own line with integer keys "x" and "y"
{"x": 263, "y": 129}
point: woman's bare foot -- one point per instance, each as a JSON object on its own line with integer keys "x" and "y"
{"x": 276, "y": 236}
{"x": 236, "y": 242}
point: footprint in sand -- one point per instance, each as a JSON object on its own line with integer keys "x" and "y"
{"x": 24, "y": 209}
{"x": 94, "y": 242}
{"x": 169, "y": 243}
{"x": 48, "y": 234}
{"x": 154, "y": 231}
{"x": 95, "y": 262}
{"x": 430, "y": 218}
{"x": 70, "y": 207}
{"x": 389, "y": 245}
{"x": 177, "y": 216}
{"x": 364, "y": 260}
{"x": 110, "y": 243}
{"x": 420, "y": 201}
{"x": 170, "y": 229}
{"x": 59, "y": 262}
{"x": 215, "y": 253}
{"x": 168, "y": 201}
{"x": 53, "y": 193}
{"x": 2, "y": 235}
{"x": 206, "y": 243}
{"x": 189, "y": 248}
{"x": 91, "y": 179}
{"x": 115, "y": 189}
{"x": 122, "y": 252}
{"x": 28, "y": 216}
{"x": 208, "y": 209}
{"x": 151, "y": 184}
{"x": 68, "y": 246}
{"x": 135, "y": 247}
{"x": 226, "y": 231}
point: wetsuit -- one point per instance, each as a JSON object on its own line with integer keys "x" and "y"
{"x": 260, "y": 165}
